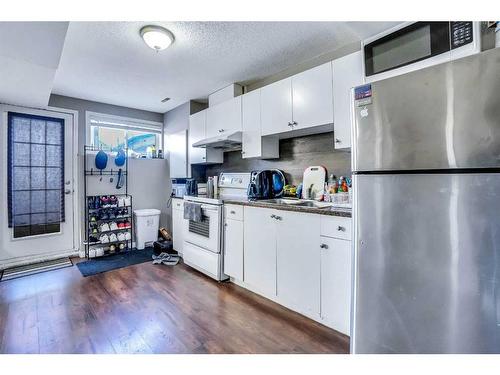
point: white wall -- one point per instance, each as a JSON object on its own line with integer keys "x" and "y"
{"x": 148, "y": 179}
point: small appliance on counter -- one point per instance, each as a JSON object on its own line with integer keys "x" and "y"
{"x": 178, "y": 187}
{"x": 266, "y": 184}
{"x": 191, "y": 187}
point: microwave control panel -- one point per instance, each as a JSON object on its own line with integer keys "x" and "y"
{"x": 461, "y": 33}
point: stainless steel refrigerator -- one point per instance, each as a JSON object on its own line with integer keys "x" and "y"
{"x": 426, "y": 162}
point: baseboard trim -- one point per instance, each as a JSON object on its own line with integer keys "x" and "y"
{"x": 277, "y": 300}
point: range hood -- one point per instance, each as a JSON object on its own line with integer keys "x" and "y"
{"x": 229, "y": 141}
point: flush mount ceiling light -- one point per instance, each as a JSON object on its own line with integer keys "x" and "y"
{"x": 157, "y": 37}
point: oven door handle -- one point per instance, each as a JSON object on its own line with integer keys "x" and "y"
{"x": 209, "y": 208}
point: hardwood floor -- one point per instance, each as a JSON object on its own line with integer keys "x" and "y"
{"x": 150, "y": 309}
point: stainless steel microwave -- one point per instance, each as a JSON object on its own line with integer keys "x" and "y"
{"x": 415, "y": 45}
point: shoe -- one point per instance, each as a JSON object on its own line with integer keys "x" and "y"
{"x": 104, "y": 201}
{"x": 112, "y": 248}
{"x": 104, "y": 227}
{"x": 127, "y": 201}
{"x": 113, "y": 201}
{"x": 93, "y": 239}
{"x": 127, "y": 224}
{"x": 92, "y": 253}
{"x": 121, "y": 225}
{"x": 113, "y": 226}
{"x": 93, "y": 219}
{"x": 104, "y": 238}
{"x": 112, "y": 237}
{"x": 121, "y": 201}
{"x": 99, "y": 251}
{"x": 128, "y": 236}
{"x": 112, "y": 215}
{"x": 121, "y": 236}
{"x": 121, "y": 246}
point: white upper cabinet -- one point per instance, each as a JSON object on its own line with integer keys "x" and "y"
{"x": 276, "y": 107}
{"x": 347, "y": 73}
{"x": 302, "y": 101}
{"x": 253, "y": 144}
{"x": 312, "y": 97}
{"x": 224, "y": 117}
{"x": 197, "y": 132}
{"x": 197, "y": 124}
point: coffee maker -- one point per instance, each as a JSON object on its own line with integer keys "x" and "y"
{"x": 266, "y": 184}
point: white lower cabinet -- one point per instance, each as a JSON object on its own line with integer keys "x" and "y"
{"x": 259, "y": 236}
{"x": 178, "y": 224}
{"x": 233, "y": 248}
{"x": 336, "y": 282}
{"x": 298, "y": 261}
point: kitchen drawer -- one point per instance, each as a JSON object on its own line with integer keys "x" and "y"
{"x": 336, "y": 227}
{"x": 178, "y": 204}
{"x": 234, "y": 212}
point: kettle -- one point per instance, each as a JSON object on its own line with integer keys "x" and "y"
{"x": 191, "y": 187}
{"x": 266, "y": 184}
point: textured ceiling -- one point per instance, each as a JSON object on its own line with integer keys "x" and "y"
{"x": 109, "y": 62}
{"x": 29, "y": 57}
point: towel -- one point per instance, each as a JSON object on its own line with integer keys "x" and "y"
{"x": 192, "y": 211}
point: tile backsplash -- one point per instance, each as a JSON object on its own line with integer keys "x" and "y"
{"x": 296, "y": 154}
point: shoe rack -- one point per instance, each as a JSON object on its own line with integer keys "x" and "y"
{"x": 109, "y": 216}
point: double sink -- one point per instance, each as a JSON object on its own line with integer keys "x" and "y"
{"x": 298, "y": 202}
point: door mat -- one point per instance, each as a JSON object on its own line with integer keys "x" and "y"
{"x": 31, "y": 269}
{"x": 112, "y": 262}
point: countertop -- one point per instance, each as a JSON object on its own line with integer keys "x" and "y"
{"x": 331, "y": 211}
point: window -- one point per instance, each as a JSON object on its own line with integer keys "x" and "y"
{"x": 35, "y": 174}
{"x": 113, "y": 132}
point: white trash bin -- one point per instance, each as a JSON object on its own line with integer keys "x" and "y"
{"x": 147, "y": 224}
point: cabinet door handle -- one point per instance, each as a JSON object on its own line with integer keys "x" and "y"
{"x": 203, "y": 157}
{"x": 221, "y": 130}
{"x": 337, "y": 140}
{"x": 273, "y": 216}
{"x": 232, "y": 212}
{"x": 289, "y": 123}
{"x": 324, "y": 246}
{"x": 278, "y": 217}
{"x": 295, "y": 123}
{"x": 341, "y": 228}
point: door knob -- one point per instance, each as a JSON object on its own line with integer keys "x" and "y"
{"x": 67, "y": 182}
{"x": 67, "y": 191}
{"x": 341, "y": 229}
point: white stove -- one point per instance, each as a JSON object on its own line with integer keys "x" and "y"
{"x": 232, "y": 186}
{"x": 203, "y": 241}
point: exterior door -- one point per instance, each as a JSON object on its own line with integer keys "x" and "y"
{"x": 36, "y": 184}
